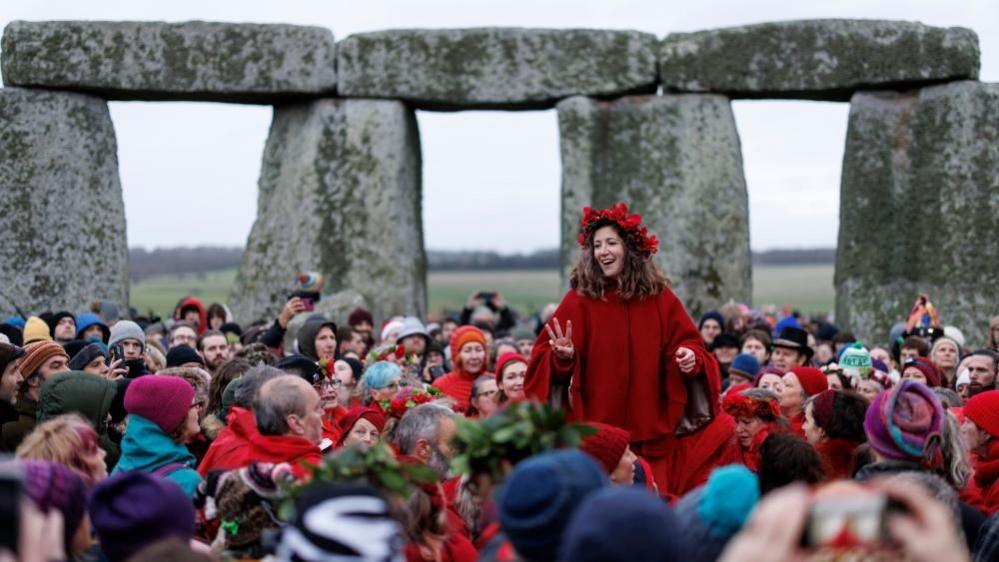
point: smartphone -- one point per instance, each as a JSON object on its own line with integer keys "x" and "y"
{"x": 486, "y": 295}
{"x": 115, "y": 352}
{"x": 310, "y": 304}
{"x": 11, "y": 477}
{"x": 850, "y": 519}
{"x": 436, "y": 372}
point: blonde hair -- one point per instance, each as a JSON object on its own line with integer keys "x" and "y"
{"x": 640, "y": 276}
{"x": 63, "y": 439}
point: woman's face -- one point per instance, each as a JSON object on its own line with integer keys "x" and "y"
{"x": 608, "y": 251}
{"x": 868, "y": 389}
{"x": 710, "y": 329}
{"x": 772, "y": 382}
{"x": 191, "y": 426}
{"x": 364, "y": 434}
{"x": 746, "y": 429}
{"x": 813, "y": 433}
{"x": 473, "y": 358}
{"x": 97, "y": 466}
{"x": 913, "y": 374}
{"x": 834, "y": 382}
{"x": 485, "y": 399}
{"x": 945, "y": 355}
{"x": 329, "y": 391}
{"x": 388, "y": 391}
{"x": 624, "y": 473}
{"x": 513, "y": 380}
{"x": 792, "y": 396}
{"x": 325, "y": 343}
{"x": 752, "y": 346}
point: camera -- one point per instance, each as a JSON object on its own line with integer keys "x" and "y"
{"x": 852, "y": 518}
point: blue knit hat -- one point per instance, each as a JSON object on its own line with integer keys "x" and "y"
{"x": 540, "y": 496}
{"x": 746, "y": 364}
{"x": 712, "y": 514}
{"x": 623, "y": 524}
{"x": 381, "y": 374}
{"x": 711, "y": 315}
{"x": 87, "y": 319}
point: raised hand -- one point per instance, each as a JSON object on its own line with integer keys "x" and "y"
{"x": 685, "y": 359}
{"x": 561, "y": 342}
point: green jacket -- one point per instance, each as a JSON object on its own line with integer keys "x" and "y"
{"x": 14, "y": 432}
{"x": 85, "y": 394}
{"x": 145, "y": 447}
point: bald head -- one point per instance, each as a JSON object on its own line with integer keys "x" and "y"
{"x": 284, "y": 405}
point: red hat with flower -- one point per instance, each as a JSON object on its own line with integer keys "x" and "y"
{"x": 630, "y": 225}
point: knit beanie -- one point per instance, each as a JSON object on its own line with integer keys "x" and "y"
{"x": 622, "y": 524}
{"x": 906, "y": 423}
{"x": 88, "y": 319}
{"x": 359, "y": 315}
{"x": 709, "y": 516}
{"x": 983, "y": 409}
{"x": 607, "y": 445}
{"x": 856, "y": 360}
{"x": 357, "y": 413}
{"x": 181, "y": 355}
{"x": 51, "y": 485}
{"x": 9, "y": 353}
{"x": 711, "y": 315}
{"x": 36, "y": 354}
{"x": 380, "y": 374}
{"x": 768, "y": 370}
{"x": 342, "y": 522}
{"x": 160, "y": 399}
{"x": 463, "y": 335}
{"x": 35, "y": 329}
{"x": 506, "y": 359}
{"x": 126, "y": 330}
{"x": 813, "y": 381}
{"x": 391, "y": 329}
{"x": 132, "y": 510}
{"x": 926, "y": 367}
{"x": 746, "y": 365}
{"x": 541, "y": 495}
{"x": 86, "y": 355}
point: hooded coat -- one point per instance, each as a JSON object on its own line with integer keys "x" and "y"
{"x": 307, "y": 337}
{"x": 14, "y": 432}
{"x": 192, "y": 302}
{"x": 146, "y": 448}
{"x": 231, "y": 449}
{"x": 90, "y": 396}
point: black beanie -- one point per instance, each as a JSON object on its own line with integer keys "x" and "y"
{"x": 182, "y": 354}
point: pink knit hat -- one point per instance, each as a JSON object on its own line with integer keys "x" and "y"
{"x": 162, "y": 400}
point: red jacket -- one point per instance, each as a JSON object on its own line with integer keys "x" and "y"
{"x": 837, "y": 458}
{"x": 987, "y": 478}
{"x": 231, "y": 448}
{"x": 457, "y": 385}
{"x": 708, "y": 449}
{"x": 623, "y": 372}
{"x": 291, "y": 449}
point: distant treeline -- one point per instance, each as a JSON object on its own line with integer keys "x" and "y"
{"x": 144, "y": 263}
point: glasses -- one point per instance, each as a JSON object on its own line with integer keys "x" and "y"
{"x": 394, "y": 385}
{"x": 327, "y": 384}
{"x": 487, "y": 394}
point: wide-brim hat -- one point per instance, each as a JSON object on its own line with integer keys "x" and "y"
{"x": 793, "y": 338}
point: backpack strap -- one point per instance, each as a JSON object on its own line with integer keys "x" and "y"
{"x": 168, "y": 469}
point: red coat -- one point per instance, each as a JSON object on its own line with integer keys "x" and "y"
{"x": 709, "y": 449}
{"x": 987, "y": 479}
{"x": 457, "y": 385}
{"x": 837, "y": 458}
{"x": 286, "y": 448}
{"x": 231, "y": 448}
{"x": 623, "y": 372}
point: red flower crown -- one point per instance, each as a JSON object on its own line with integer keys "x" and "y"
{"x": 739, "y": 405}
{"x": 631, "y": 228}
{"x": 398, "y": 406}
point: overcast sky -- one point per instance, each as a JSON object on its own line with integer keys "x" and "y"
{"x": 189, "y": 170}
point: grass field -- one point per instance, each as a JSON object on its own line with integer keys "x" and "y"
{"x": 806, "y": 287}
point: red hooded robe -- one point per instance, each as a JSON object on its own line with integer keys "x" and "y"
{"x": 624, "y": 373}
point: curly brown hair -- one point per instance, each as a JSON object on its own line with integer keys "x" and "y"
{"x": 640, "y": 277}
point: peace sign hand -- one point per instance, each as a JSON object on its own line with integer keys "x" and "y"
{"x": 561, "y": 343}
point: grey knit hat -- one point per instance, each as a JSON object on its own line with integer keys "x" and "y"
{"x": 126, "y": 330}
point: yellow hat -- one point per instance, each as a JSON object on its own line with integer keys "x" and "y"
{"x": 35, "y": 329}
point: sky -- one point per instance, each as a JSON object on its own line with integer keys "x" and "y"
{"x": 189, "y": 170}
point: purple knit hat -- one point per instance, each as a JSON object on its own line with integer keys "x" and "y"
{"x": 132, "y": 510}
{"x": 50, "y": 486}
{"x": 906, "y": 423}
{"x": 160, "y": 399}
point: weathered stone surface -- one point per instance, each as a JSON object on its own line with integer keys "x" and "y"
{"x": 816, "y": 59}
{"x": 919, "y": 209}
{"x": 63, "y": 218}
{"x": 171, "y": 61}
{"x": 677, "y": 161}
{"x": 505, "y": 68}
{"x": 340, "y": 193}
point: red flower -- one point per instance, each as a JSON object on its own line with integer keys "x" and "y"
{"x": 630, "y": 225}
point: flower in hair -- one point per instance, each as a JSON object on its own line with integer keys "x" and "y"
{"x": 630, "y": 225}
{"x": 739, "y": 405}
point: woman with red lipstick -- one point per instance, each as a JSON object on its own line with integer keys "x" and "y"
{"x": 621, "y": 350}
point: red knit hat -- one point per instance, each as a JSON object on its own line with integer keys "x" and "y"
{"x": 463, "y": 335}
{"x": 160, "y": 399}
{"x": 607, "y": 445}
{"x": 927, "y": 368}
{"x": 983, "y": 409}
{"x": 37, "y": 353}
{"x": 506, "y": 359}
{"x": 813, "y": 381}
{"x": 357, "y": 413}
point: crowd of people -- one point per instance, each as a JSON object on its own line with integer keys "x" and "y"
{"x": 610, "y": 426}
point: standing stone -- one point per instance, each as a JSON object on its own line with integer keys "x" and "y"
{"x": 495, "y": 68}
{"x": 816, "y": 59}
{"x": 340, "y": 193}
{"x": 199, "y": 61}
{"x": 677, "y": 161}
{"x": 919, "y": 209}
{"x": 63, "y": 218}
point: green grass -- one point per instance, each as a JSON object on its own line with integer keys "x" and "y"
{"x": 806, "y": 287}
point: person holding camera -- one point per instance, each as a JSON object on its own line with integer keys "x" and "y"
{"x": 487, "y": 309}
{"x": 127, "y": 346}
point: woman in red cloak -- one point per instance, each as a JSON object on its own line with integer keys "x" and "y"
{"x": 629, "y": 354}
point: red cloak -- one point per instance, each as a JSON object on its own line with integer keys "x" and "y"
{"x": 624, "y": 373}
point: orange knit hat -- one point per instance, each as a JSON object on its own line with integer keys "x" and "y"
{"x": 463, "y": 335}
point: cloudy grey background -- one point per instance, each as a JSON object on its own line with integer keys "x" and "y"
{"x": 491, "y": 179}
